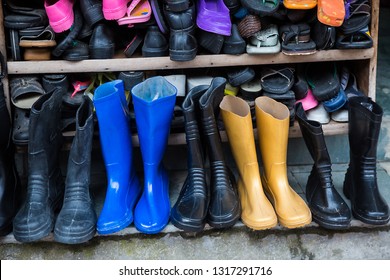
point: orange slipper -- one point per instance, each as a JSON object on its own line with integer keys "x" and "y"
{"x": 331, "y": 12}
{"x": 300, "y": 4}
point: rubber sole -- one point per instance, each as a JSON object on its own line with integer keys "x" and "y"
{"x": 195, "y": 226}
{"x": 31, "y": 236}
{"x": 180, "y": 55}
{"x": 74, "y": 237}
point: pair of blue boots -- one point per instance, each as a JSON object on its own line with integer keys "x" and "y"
{"x": 126, "y": 200}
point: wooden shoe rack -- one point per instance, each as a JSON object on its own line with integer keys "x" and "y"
{"x": 362, "y": 62}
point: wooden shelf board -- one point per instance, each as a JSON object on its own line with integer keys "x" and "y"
{"x": 164, "y": 63}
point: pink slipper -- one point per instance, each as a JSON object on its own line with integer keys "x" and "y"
{"x": 60, "y": 14}
{"x": 138, "y": 11}
{"x": 114, "y": 9}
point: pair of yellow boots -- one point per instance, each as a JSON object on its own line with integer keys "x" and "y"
{"x": 272, "y": 119}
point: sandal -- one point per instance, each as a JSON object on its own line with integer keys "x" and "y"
{"x": 358, "y": 40}
{"x": 138, "y": 11}
{"x": 323, "y": 80}
{"x": 265, "y": 41}
{"x": 25, "y": 91}
{"x": 331, "y": 12}
{"x": 240, "y": 75}
{"x": 357, "y": 16}
{"x": 277, "y": 80}
{"x": 45, "y": 38}
{"x": 300, "y": 4}
{"x": 296, "y": 39}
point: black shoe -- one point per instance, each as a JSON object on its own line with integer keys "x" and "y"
{"x": 155, "y": 43}
{"x": 182, "y": 42}
{"x": 101, "y": 44}
{"x": 234, "y": 44}
{"x": 78, "y": 51}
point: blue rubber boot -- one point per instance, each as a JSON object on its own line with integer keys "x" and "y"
{"x": 154, "y": 100}
{"x": 123, "y": 188}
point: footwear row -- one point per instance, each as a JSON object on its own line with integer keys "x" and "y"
{"x": 323, "y": 89}
{"x": 93, "y": 29}
{"x": 213, "y": 193}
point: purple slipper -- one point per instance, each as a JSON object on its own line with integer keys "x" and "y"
{"x": 213, "y": 16}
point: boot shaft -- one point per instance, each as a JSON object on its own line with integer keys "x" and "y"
{"x": 154, "y": 100}
{"x": 272, "y": 119}
{"x": 238, "y": 123}
{"x": 209, "y": 106}
{"x": 365, "y": 118}
{"x": 114, "y": 124}
{"x": 79, "y": 162}
{"x": 313, "y": 136}
{"x": 45, "y": 134}
{"x": 195, "y": 153}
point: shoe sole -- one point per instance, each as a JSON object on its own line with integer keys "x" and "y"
{"x": 75, "y": 237}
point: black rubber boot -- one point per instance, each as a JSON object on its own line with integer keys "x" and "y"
{"x": 190, "y": 210}
{"x": 45, "y": 185}
{"x": 360, "y": 184}
{"x": 182, "y": 42}
{"x": 328, "y": 208}
{"x": 76, "y": 222}
{"x": 10, "y": 188}
{"x": 224, "y": 209}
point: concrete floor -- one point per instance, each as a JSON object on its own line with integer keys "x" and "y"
{"x": 311, "y": 242}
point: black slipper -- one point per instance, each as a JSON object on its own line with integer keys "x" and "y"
{"x": 323, "y": 80}
{"x": 239, "y": 76}
{"x": 278, "y": 79}
{"x": 358, "y": 15}
{"x": 296, "y": 39}
{"x": 358, "y": 40}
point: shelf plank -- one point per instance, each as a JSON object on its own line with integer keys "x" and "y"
{"x": 164, "y": 63}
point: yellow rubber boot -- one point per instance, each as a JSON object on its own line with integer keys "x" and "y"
{"x": 257, "y": 212}
{"x": 272, "y": 120}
